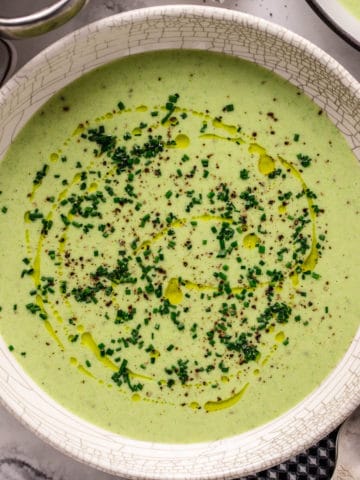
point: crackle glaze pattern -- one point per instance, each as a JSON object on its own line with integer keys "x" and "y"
{"x": 303, "y": 64}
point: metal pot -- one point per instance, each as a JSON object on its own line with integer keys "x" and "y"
{"x": 42, "y": 21}
{"x": 32, "y": 25}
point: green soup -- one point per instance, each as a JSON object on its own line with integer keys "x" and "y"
{"x": 178, "y": 246}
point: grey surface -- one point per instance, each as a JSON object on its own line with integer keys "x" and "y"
{"x": 348, "y": 445}
{"x": 22, "y": 455}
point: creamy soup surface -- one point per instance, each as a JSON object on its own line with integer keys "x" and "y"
{"x": 178, "y": 246}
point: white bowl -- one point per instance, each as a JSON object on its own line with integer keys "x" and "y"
{"x": 244, "y": 36}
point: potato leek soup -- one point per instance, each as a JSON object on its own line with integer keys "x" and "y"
{"x": 178, "y": 246}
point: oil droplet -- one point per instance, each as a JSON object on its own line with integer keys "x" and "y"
{"x": 139, "y": 375}
{"x": 141, "y": 108}
{"x": 294, "y": 279}
{"x": 78, "y": 130}
{"x": 256, "y": 372}
{"x": 88, "y": 341}
{"x": 231, "y": 129}
{"x": 182, "y": 141}
{"x": 80, "y": 328}
{"x": 136, "y": 131}
{"x": 54, "y": 157}
{"x": 76, "y": 179}
{"x": 136, "y": 397}
{"x": 173, "y": 292}
{"x": 225, "y": 379}
{"x": 62, "y": 195}
{"x": 36, "y": 267}
{"x": 109, "y": 115}
{"x": 73, "y": 361}
{"x": 311, "y": 261}
{"x": 280, "y": 337}
{"x": 282, "y": 209}
{"x": 266, "y": 164}
{"x": 251, "y": 240}
{"x": 216, "y": 218}
{"x": 93, "y": 187}
{"x": 194, "y": 405}
{"x": 255, "y": 148}
{"x": 227, "y": 403}
{"x": 84, "y": 371}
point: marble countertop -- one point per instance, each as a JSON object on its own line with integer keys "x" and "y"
{"x": 22, "y": 455}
